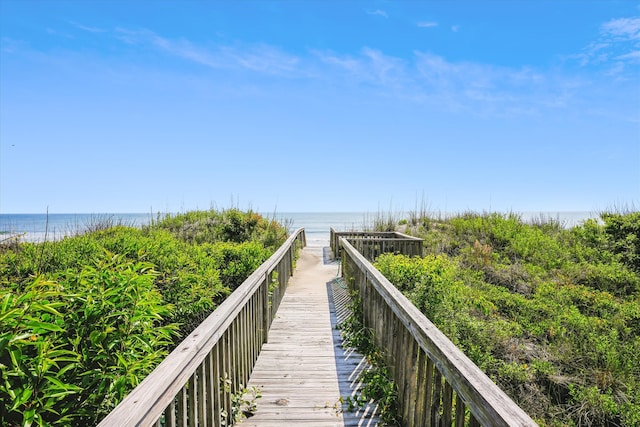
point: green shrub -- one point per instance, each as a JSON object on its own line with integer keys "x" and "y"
{"x": 623, "y": 231}
{"x": 83, "y": 320}
{"x": 551, "y": 314}
{"x": 237, "y": 261}
{"x": 72, "y": 347}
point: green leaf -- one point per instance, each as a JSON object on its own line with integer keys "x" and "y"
{"x": 21, "y": 397}
{"x": 16, "y": 357}
{"x": 46, "y": 307}
{"x": 28, "y": 417}
{"x": 9, "y": 313}
{"x": 41, "y": 325}
{"x": 96, "y": 337}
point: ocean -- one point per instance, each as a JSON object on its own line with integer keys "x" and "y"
{"x": 41, "y": 227}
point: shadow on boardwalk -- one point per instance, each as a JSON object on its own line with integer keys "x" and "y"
{"x": 349, "y": 363}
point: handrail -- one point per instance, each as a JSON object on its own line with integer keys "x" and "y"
{"x": 186, "y": 388}
{"x": 373, "y": 243}
{"x": 429, "y": 370}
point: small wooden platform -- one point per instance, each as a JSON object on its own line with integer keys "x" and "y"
{"x": 303, "y": 370}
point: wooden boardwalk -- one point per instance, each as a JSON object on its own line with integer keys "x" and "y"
{"x": 303, "y": 370}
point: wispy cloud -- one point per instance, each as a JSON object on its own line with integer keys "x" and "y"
{"x": 371, "y": 67}
{"x": 423, "y": 77}
{"x": 631, "y": 56}
{"x": 378, "y": 12}
{"x": 455, "y": 28}
{"x": 429, "y": 24}
{"x": 616, "y": 47}
{"x": 623, "y": 28}
{"x": 87, "y": 28}
{"x": 259, "y": 57}
{"x": 9, "y": 45}
{"x": 457, "y": 86}
{"x": 59, "y": 33}
{"x": 469, "y": 84}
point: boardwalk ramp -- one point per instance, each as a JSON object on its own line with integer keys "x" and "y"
{"x": 304, "y": 372}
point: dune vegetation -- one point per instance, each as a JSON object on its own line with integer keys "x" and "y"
{"x": 551, "y": 314}
{"x": 83, "y": 320}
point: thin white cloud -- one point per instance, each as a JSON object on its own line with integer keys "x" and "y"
{"x": 631, "y": 56}
{"x": 429, "y": 24}
{"x": 487, "y": 89}
{"x": 479, "y": 89}
{"x": 455, "y": 28}
{"x": 425, "y": 77}
{"x": 623, "y": 28}
{"x": 371, "y": 67}
{"x": 9, "y": 45}
{"x": 264, "y": 58}
{"x": 58, "y": 33}
{"x": 261, "y": 58}
{"x": 378, "y": 12}
{"x": 87, "y": 28}
{"x": 617, "y": 45}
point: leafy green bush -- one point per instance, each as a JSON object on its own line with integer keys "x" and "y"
{"x": 552, "y": 315}
{"x": 229, "y": 225}
{"x": 83, "y": 320}
{"x": 623, "y": 231}
{"x": 71, "y": 347}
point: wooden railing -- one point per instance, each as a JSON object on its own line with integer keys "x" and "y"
{"x": 437, "y": 384}
{"x": 195, "y": 384}
{"x": 373, "y": 243}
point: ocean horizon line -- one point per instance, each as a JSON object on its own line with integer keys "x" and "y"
{"x": 53, "y": 226}
{"x": 462, "y": 211}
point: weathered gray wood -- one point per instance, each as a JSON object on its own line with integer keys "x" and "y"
{"x": 429, "y": 394}
{"x": 372, "y": 243}
{"x": 300, "y": 336}
{"x": 200, "y": 403}
{"x": 460, "y": 412}
{"x": 170, "y": 415}
{"x": 447, "y": 405}
{"x": 303, "y": 370}
{"x": 486, "y": 401}
{"x": 182, "y": 407}
{"x": 436, "y": 401}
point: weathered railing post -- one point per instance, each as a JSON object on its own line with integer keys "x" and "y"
{"x": 266, "y": 323}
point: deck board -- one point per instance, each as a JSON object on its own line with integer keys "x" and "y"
{"x": 303, "y": 370}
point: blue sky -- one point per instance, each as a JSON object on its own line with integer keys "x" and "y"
{"x": 114, "y": 106}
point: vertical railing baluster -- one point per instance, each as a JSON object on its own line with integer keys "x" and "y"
{"x": 182, "y": 407}
{"x": 266, "y": 322}
{"x": 420, "y": 415}
{"x": 192, "y": 402}
{"x": 201, "y": 393}
{"x": 411, "y": 379}
{"x": 209, "y": 399}
{"x": 170, "y": 414}
{"x": 460, "y": 412}
{"x": 436, "y": 403}
{"x": 447, "y": 405}
{"x": 217, "y": 389}
{"x": 430, "y": 386}
{"x": 226, "y": 376}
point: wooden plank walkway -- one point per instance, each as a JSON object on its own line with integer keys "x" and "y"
{"x": 303, "y": 370}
